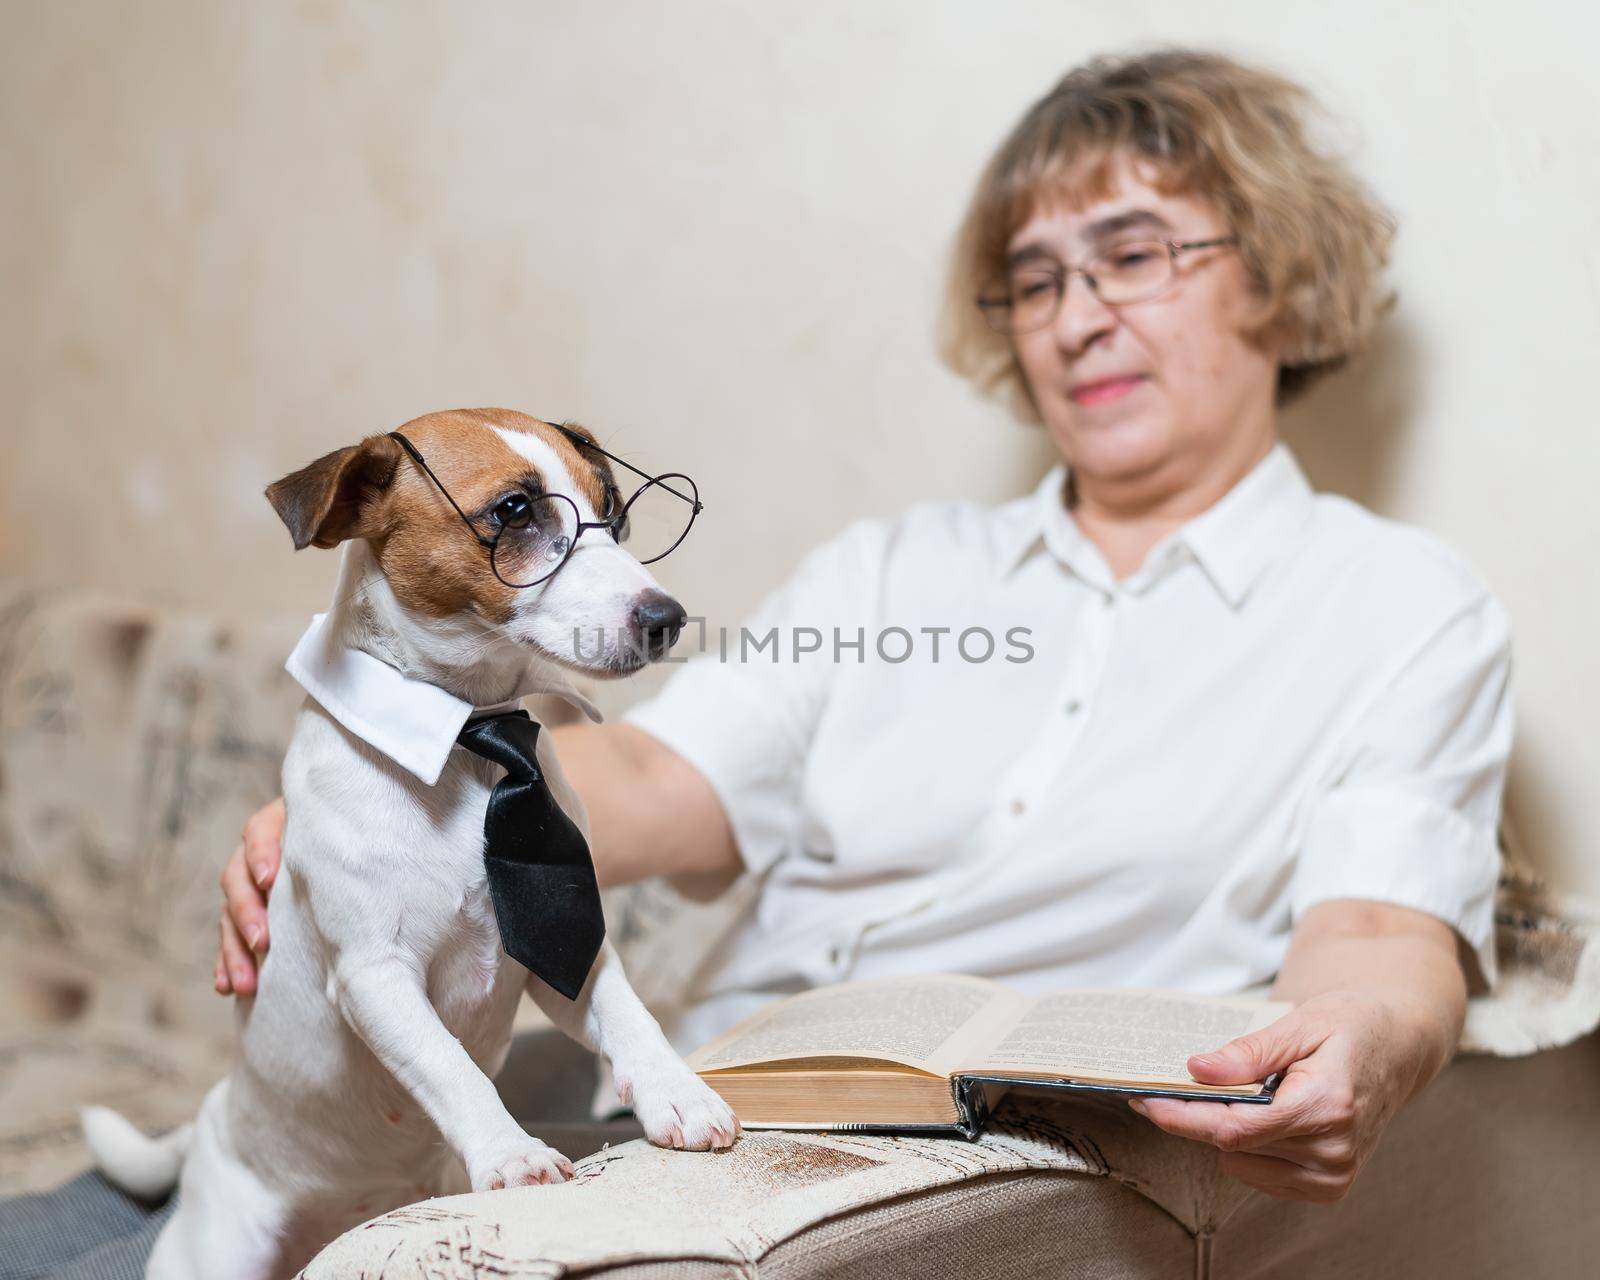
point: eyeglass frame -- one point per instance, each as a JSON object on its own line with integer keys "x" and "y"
{"x": 1064, "y": 271}
{"x": 613, "y": 525}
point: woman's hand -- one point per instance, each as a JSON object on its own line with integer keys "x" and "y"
{"x": 246, "y": 881}
{"x": 1350, "y": 1062}
{"x": 1379, "y": 1000}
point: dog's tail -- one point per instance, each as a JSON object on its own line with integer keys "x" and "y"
{"x": 142, "y": 1166}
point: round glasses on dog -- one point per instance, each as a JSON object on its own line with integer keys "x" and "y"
{"x": 534, "y": 533}
{"x": 537, "y": 533}
{"x": 1029, "y": 298}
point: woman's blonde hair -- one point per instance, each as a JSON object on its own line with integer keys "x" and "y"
{"x": 1311, "y": 236}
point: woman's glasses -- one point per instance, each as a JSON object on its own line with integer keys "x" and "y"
{"x": 534, "y": 533}
{"x": 1029, "y": 298}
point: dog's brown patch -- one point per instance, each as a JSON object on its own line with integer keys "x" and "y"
{"x": 335, "y": 497}
{"x": 433, "y": 563}
{"x": 432, "y": 560}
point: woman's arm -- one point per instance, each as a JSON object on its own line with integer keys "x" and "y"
{"x": 650, "y": 812}
{"x": 1410, "y": 814}
{"x": 1403, "y": 958}
{"x": 1379, "y": 996}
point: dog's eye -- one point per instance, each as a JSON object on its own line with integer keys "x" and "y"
{"x": 513, "y": 511}
{"x": 613, "y": 502}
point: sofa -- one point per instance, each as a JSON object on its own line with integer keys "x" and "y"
{"x": 134, "y": 740}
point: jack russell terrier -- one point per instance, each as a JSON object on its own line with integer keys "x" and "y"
{"x": 387, "y": 1003}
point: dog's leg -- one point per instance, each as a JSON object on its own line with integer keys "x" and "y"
{"x": 675, "y": 1106}
{"x": 386, "y": 1004}
{"x": 228, "y": 1224}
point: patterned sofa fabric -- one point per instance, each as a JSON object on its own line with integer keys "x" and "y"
{"x": 132, "y": 744}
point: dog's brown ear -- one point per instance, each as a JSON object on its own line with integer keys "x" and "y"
{"x": 333, "y": 498}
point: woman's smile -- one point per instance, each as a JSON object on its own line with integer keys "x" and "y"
{"x": 1104, "y": 391}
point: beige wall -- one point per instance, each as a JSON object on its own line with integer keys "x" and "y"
{"x": 237, "y": 235}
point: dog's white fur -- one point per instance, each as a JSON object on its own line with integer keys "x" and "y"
{"x": 386, "y": 1005}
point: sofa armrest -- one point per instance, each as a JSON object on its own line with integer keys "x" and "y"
{"x": 1489, "y": 1173}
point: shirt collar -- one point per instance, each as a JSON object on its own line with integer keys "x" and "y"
{"x": 1044, "y": 521}
{"x": 1253, "y": 524}
{"x": 412, "y": 722}
{"x": 1234, "y": 540}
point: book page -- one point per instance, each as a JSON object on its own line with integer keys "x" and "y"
{"x": 923, "y": 1022}
{"x": 1121, "y": 1033}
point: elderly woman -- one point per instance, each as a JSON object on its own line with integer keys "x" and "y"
{"x": 1242, "y": 733}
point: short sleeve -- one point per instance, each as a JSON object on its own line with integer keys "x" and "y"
{"x": 744, "y": 711}
{"x": 1410, "y": 812}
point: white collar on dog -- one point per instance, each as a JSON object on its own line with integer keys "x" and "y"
{"x": 412, "y": 722}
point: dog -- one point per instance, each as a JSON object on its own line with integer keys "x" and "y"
{"x": 363, "y": 1080}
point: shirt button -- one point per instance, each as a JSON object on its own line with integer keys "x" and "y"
{"x": 1073, "y": 707}
{"x": 1107, "y": 600}
{"x": 1018, "y": 807}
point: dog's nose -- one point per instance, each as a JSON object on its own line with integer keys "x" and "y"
{"x": 659, "y": 619}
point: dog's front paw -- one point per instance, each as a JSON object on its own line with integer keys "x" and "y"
{"x": 517, "y": 1162}
{"x": 679, "y": 1109}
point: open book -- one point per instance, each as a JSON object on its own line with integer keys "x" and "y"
{"x": 936, "y": 1052}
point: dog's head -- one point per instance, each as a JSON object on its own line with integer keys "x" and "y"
{"x": 601, "y": 613}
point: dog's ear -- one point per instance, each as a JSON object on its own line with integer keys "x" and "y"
{"x": 333, "y": 498}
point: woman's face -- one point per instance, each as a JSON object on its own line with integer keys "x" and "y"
{"x": 1191, "y": 396}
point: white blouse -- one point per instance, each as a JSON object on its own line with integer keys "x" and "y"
{"x": 1292, "y": 700}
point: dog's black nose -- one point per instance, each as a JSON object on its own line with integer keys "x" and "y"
{"x": 659, "y": 618}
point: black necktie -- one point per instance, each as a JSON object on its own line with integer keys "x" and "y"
{"x": 541, "y": 877}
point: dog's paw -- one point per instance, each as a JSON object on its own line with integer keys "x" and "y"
{"x": 679, "y": 1109}
{"x": 517, "y": 1162}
